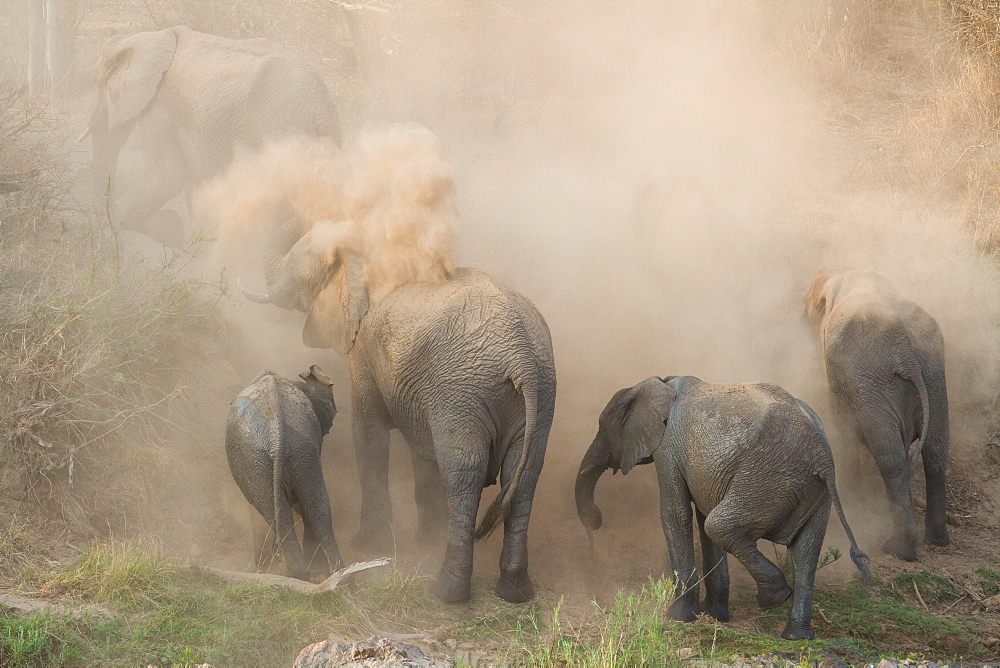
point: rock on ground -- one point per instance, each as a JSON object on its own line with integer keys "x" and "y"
{"x": 376, "y": 652}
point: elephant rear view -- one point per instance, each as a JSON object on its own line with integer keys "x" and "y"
{"x": 884, "y": 359}
{"x": 182, "y": 102}
{"x": 274, "y": 435}
{"x": 462, "y": 367}
{"x": 754, "y": 462}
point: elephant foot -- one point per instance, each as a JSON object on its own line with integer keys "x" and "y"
{"x": 901, "y": 548}
{"x": 515, "y": 586}
{"x": 371, "y": 543}
{"x": 937, "y": 537}
{"x": 717, "y": 611}
{"x": 682, "y": 611}
{"x": 796, "y": 631}
{"x": 772, "y": 597}
{"x": 451, "y": 589}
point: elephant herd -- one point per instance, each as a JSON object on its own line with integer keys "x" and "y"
{"x": 464, "y": 369}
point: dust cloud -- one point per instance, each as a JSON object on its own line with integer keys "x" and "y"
{"x": 389, "y": 199}
{"x": 662, "y": 181}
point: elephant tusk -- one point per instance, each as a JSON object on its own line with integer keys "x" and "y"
{"x": 84, "y": 135}
{"x": 255, "y": 297}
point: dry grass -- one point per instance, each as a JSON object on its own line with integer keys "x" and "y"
{"x": 93, "y": 350}
{"x": 127, "y": 573}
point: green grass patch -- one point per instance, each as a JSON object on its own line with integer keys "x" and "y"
{"x": 126, "y": 573}
{"x": 865, "y": 623}
{"x": 27, "y": 641}
{"x": 987, "y": 579}
{"x": 167, "y": 615}
{"x": 633, "y": 630}
{"x": 933, "y": 588}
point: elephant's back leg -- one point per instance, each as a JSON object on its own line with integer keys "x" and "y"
{"x": 935, "y": 460}
{"x": 804, "y": 551}
{"x": 462, "y": 449}
{"x": 733, "y": 526}
{"x": 514, "y": 584}
{"x": 884, "y": 439}
{"x": 322, "y": 554}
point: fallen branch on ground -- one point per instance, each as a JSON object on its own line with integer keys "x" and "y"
{"x": 300, "y": 586}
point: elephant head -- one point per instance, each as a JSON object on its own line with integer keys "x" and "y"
{"x": 822, "y": 292}
{"x": 319, "y": 389}
{"x": 319, "y": 275}
{"x": 630, "y": 428}
{"x": 128, "y": 76}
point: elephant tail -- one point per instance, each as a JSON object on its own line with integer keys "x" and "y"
{"x": 859, "y": 558}
{"x": 277, "y": 475}
{"x": 916, "y": 377}
{"x": 500, "y": 507}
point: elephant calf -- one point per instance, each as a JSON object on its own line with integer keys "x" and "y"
{"x": 753, "y": 460}
{"x": 274, "y": 434}
{"x": 884, "y": 359}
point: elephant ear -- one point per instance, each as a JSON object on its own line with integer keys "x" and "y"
{"x": 644, "y": 420}
{"x": 338, "y": 308}
{"x": 130, "y": 72}
{"x": 822, "y": 292}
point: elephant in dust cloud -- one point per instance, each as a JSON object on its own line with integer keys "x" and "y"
{"x": 754, "y": 462}
{"x": 884, "y": 359}
{"x": 179, "y": 103}
{"x": 274, "y": 437}
{"x": 462, "y": 368}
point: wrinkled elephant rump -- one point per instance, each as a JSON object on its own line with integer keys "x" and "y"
{"x": 595, "y": 463}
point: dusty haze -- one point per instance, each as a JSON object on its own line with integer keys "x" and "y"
{"x": 662, "y": 180}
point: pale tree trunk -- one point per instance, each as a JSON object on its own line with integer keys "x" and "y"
{"x": 51, "y": 30}
{"x": 36, "y": 46}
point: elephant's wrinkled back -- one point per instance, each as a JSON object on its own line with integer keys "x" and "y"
{"x": 266, "y": 411}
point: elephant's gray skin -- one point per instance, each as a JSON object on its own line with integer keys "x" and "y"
{"x": 884, "y": 359}
{"x": 183, "y": 102}
{"x": 464, "y": 370}
{"x": 755, "y": 463}
{"x": 274, "y": 435}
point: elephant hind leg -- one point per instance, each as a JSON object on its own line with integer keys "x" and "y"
{"x": 935, "y": 458}
{"x": 514, "y": 585}
{"x": 715, "y": 570}
{"x": 804, "y": 551}
{"x": 288, "y": 543}
{"x": 886, "y": 445}
{"x": 462, "y": 460}
{"x": 727, "y": 526}
{"x": 430, "y": 499}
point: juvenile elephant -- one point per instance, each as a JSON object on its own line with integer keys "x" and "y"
{"x": 183, "y": 101}
{"x": 755, "y": 463}
{"x": 884, "y": 359}
{"x": 464, "y": 370}
{"x": 274, "y": 435}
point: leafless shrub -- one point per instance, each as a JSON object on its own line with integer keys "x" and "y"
{"x": 92, "y": 349}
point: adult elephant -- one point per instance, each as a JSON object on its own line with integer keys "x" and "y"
{"x": 755, "y": 463}
{"x": 884, "y": 358}
{"x": 180, "y": 103}
{"x": 462, "y": 367}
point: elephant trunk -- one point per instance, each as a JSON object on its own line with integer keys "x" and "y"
{"x": 594, "y": 464}
{"x": 282, "y": 290}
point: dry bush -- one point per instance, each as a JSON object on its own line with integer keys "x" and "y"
{"x": 975, "y": 24}
{"x": 93, "y": 348}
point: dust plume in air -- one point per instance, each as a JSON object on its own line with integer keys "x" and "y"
{"x": 389, "y": 199}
